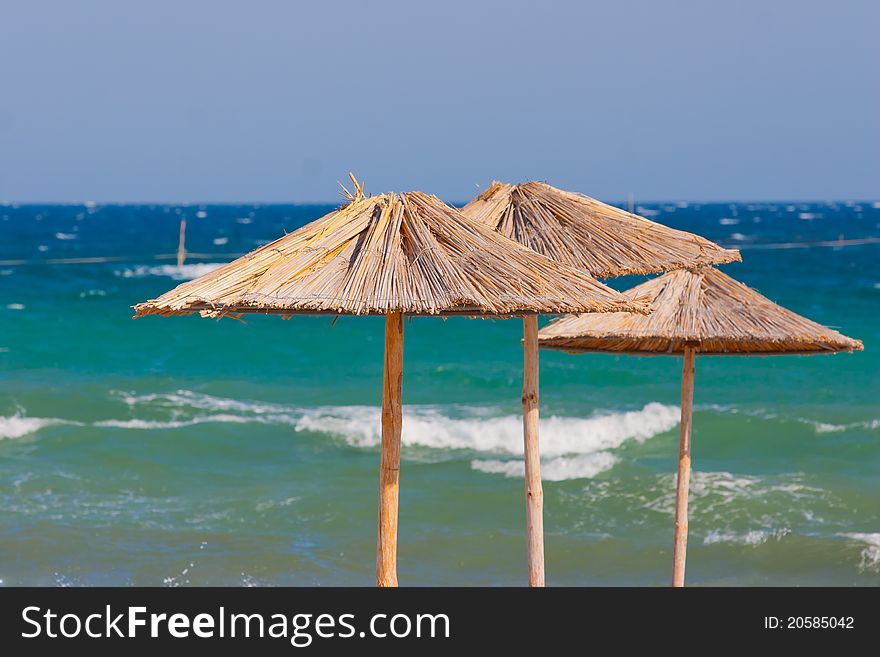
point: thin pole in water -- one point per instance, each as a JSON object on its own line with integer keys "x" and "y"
{"x": 389, "y": 467}
{"x": 181, "y": 244}
{"x": 534, "y": 490}
{"x": 684, "y": 468}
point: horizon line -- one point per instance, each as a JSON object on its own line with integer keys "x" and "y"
{"x": 457, "y": 204}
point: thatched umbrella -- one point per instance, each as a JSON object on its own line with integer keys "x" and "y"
{"x": 391, "y": 255}
{"x": 587, "y": 234}
{"x": 590, "y": 235}
{"x": 700, "y": 311}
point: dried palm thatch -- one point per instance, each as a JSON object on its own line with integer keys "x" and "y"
{"x": 697, "y": 312}
{"x": 408, "y": 253}
{"x": 391, "y": 255}
{"x": 587, "y": 234}
{"x": 702, "y": 308}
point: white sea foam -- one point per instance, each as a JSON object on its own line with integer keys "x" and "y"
{"x": 16, "y": 426}
{"x": 870, "y": 555}
{"x": 752, "y": 537}
{"x": 571, "y": 447}
{"x": 817, "y": 425}
{"x": 137, "y": 423}
{"x": 727, "y": 486}
{"x": 274, "y": 504}
{"x": 249, "y": 581}
{"x": 561, "y": 468}
{"x": 560, "y": 436}
{"x": 183, "y": 273}
{"x": 575, "y": 448}
{"x": 742, "y": 509}
{"x": 186, "y": 399}
{"x": 719, "y": 495}
{"x": 825, "y": 427}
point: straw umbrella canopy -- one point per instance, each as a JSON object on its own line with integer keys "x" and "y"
{"x": 586, "y": 234}
{"x": 392, "y": 255}
{"x": 701, "y": 311}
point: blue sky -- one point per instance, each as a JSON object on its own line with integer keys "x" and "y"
{"x": 276, "y": 101}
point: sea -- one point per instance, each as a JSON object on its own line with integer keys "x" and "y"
{"x": 187, "y": 452}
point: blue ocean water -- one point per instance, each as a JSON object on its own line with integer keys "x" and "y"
{"x": 186, "y": 451}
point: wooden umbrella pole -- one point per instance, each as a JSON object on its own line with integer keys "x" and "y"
{"x": 389, "y": 469}
{"x": 684, "y": 468}
{"x": 534, "y": 490}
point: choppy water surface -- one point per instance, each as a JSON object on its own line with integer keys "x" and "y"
{"x": 187, "y": 451}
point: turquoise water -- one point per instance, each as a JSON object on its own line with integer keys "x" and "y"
{"x": 187, "y": 451}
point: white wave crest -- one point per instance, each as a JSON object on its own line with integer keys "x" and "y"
{"x": 16, "y": 426}
{"x": 752, "y": 537}
{"x": 562, "y": 468}
{"x": 136, "y": 423}
{"x": 571, "y": 447}
{"x": 817, "y": 425}
{"x": 186, "y": 399}
{"x": 870, "y": 556}
{"x": 825, "y": 427}
{"x": 183, "y": 273}
{"x": 718, "y": 495}
{"x": 560, "y": 436}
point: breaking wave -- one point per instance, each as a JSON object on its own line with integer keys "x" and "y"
{"x": 183, "y": 273}
{"x": 16, "y": 426}
{"x": 870, "y": 555}
{"x": 571, "y": 447}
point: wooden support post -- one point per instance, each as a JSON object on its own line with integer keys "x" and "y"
{"x": 389, "y": 467}
{"x": 684, "y": 468}
{"x": 534, "y": 490}
{"x": 181, "y": 244}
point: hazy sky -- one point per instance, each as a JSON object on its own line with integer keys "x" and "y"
{"x": 275, "y": 101}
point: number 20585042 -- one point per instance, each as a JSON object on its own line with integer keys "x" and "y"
{"x": 809, "y": 622}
